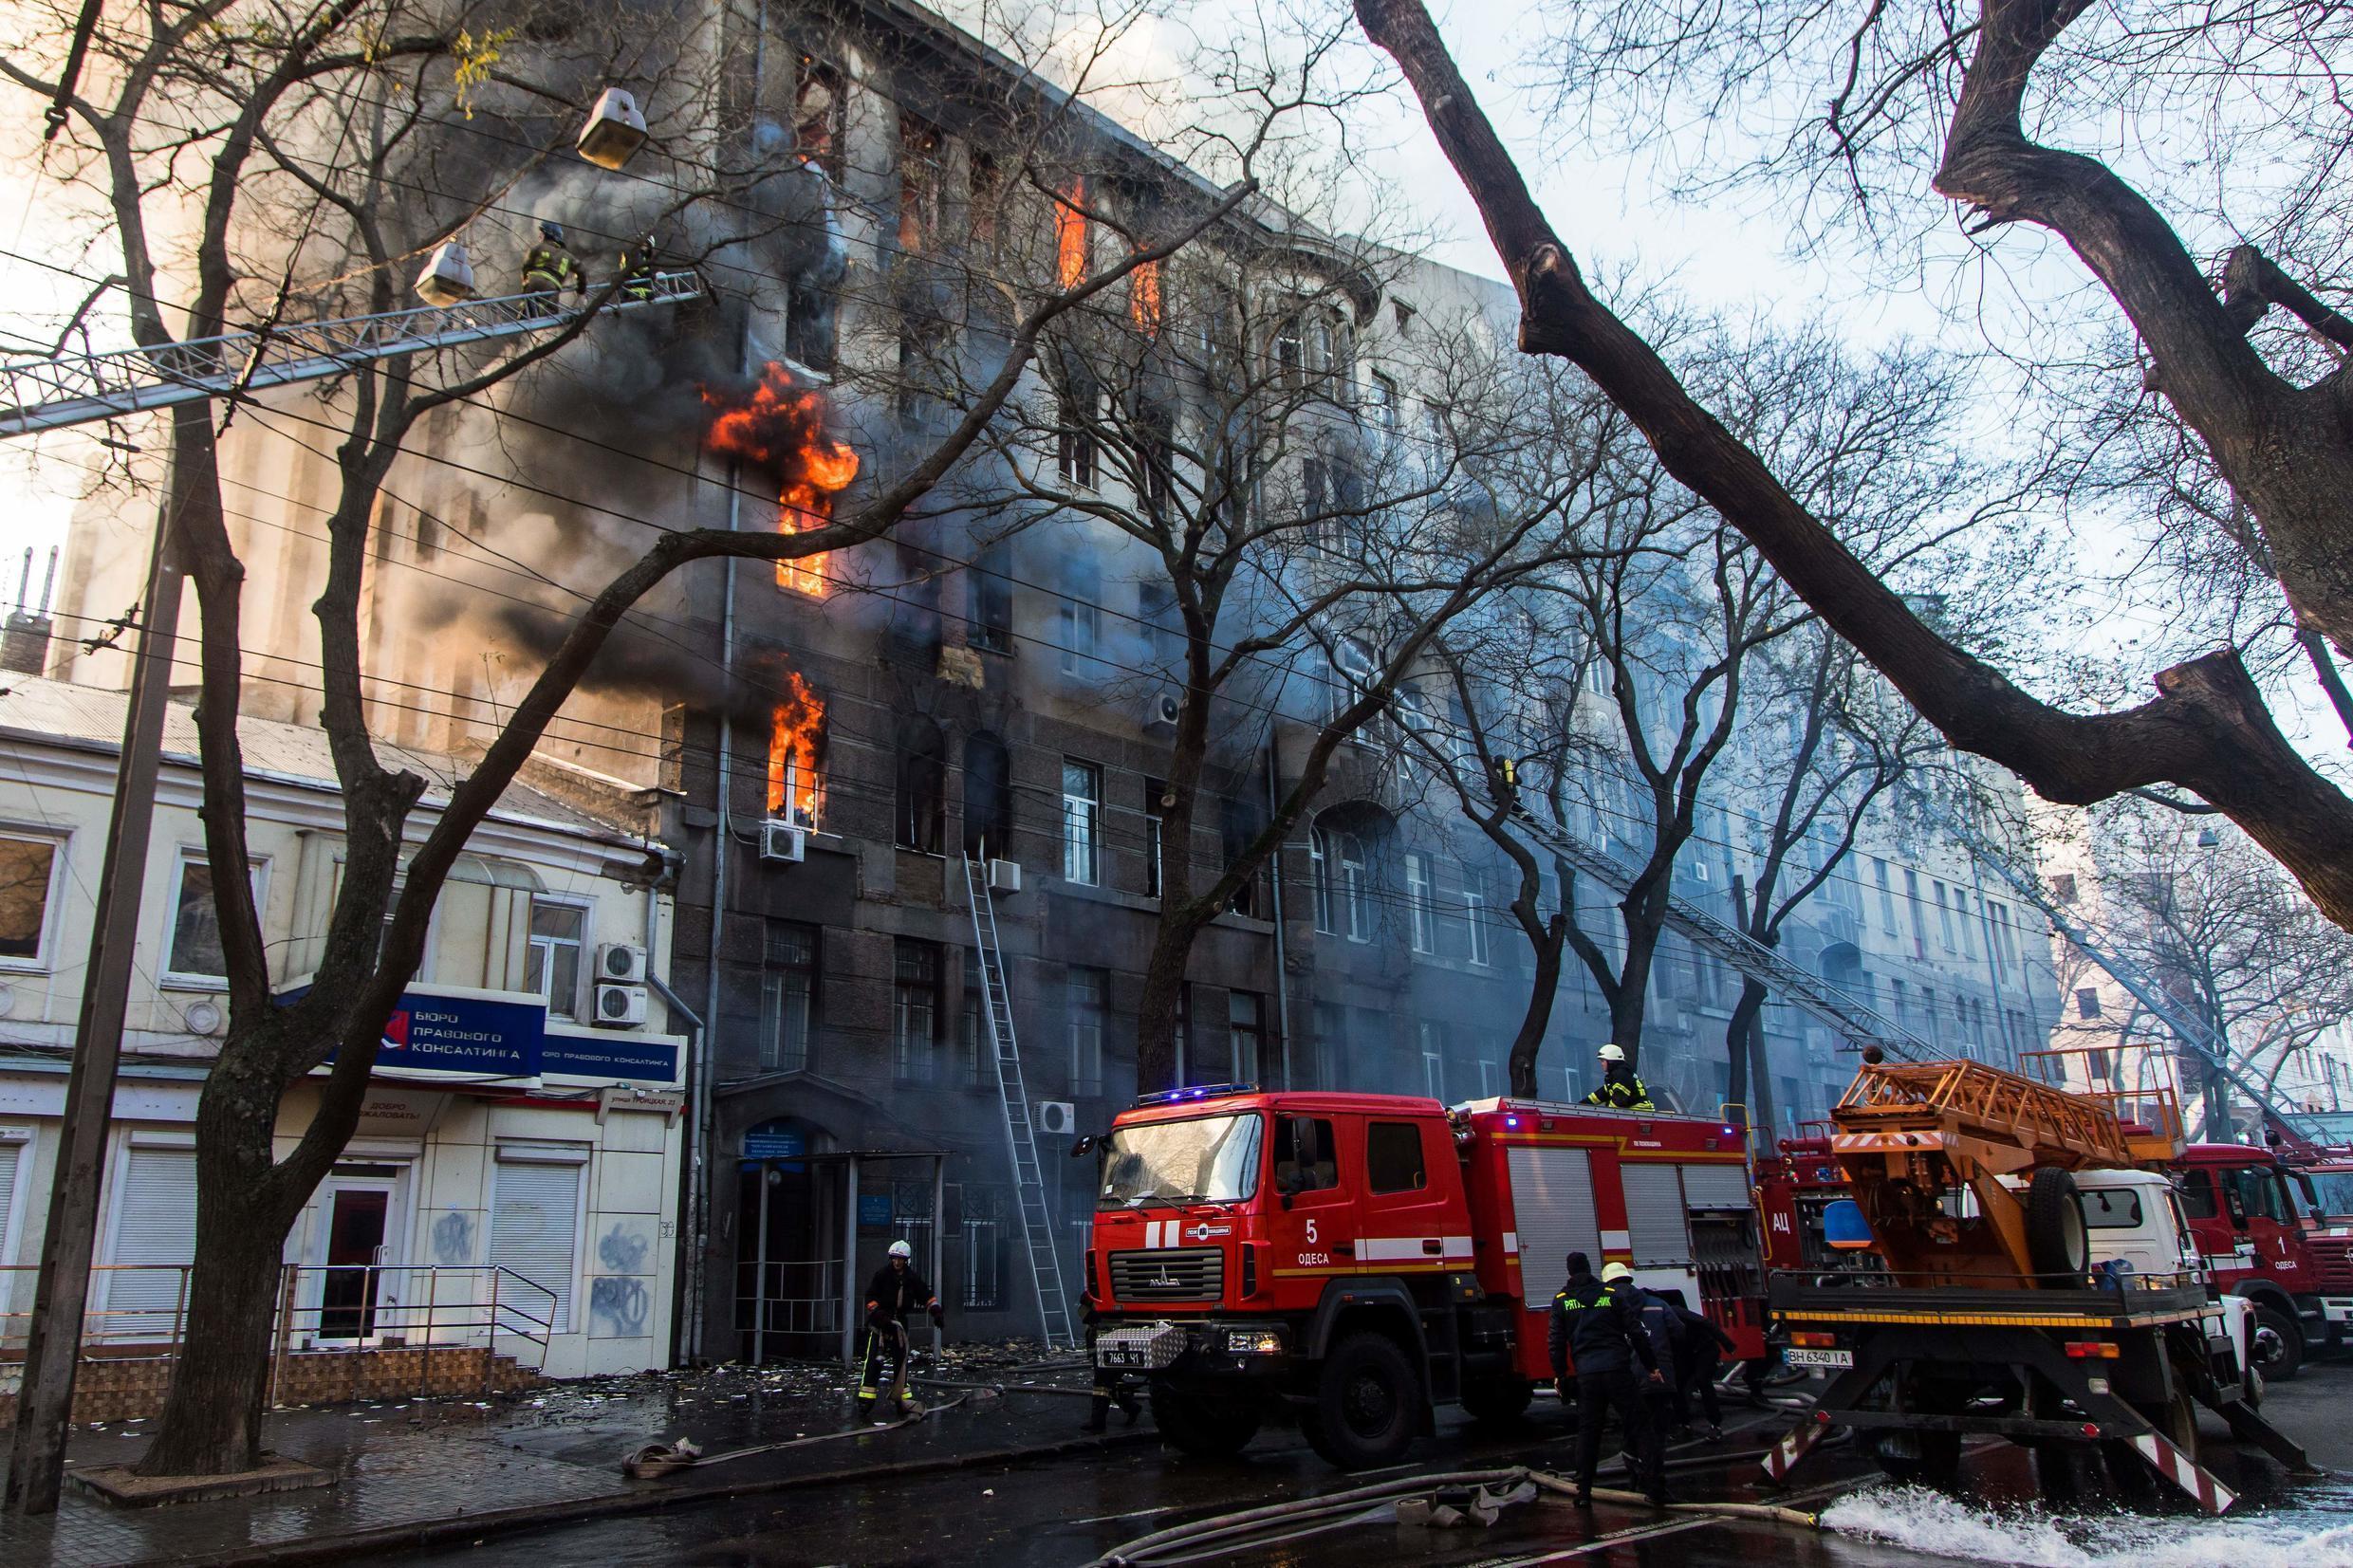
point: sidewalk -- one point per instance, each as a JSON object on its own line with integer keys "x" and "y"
{"x": 418, "y": 1462}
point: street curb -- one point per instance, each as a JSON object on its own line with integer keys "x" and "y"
{"x": 470, "y": 1529}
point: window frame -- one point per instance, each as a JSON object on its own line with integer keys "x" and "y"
{"x": 1084, "y": 811}
{"x": 1373, "y": 1173}
{"x": 44, "y": 937}
{"x": 1420, "y": 907}
{"x": 532, "y": 944}
{"x": 910, "y": 994}
{"x": 1474, "y": 919}
{"x": 773, "y": 970}
{"x": 170, "y": 978}
{"x": 1084, "y": 1026}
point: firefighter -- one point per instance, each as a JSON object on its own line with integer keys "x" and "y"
{"x": 1700, "y": 1347}
{"x": 895, "y": 1293}
{"x": 1599, "y": 1322}
{"x": 639, "y": 263}
{"x": 1621, "y": 1089}
{"x": 1109, "y": 1385}
{"x": 1661, "y": 1390}
{"x": 548, "y": 269}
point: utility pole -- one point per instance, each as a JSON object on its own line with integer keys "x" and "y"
{"x": 53, "y": 1349}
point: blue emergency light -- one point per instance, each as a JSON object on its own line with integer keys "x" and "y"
{"x": 1843, "y": 1227}
{"x": 1206, "y": 1091}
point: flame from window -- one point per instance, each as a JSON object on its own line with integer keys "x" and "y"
{"x": 796, "y": 741}
{"x": 781, "y": 428}
{"x": 1070, "y": 235}
{"x": 1143, "y": 297}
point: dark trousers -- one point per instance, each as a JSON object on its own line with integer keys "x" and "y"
{"x": 1699, "y": 1377}
{"x": 1599, "y": 1393}
{"x": 887, "y": 1340}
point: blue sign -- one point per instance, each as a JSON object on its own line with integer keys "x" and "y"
{"x": 873, "y": 1210}
{"x": 773, "y": 1146}
{"x": 464, "y": 1034}
{"x": 613, "y": 1056}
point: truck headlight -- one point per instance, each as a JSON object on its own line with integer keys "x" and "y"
{"x": 1254, "y": 1341}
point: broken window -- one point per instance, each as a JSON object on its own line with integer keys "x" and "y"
{"x": 987, "y": 798}
{"x": 819, "y": 113}
{"x": 796, "y": 753}
{"x": 991, "y": 628}
{"x": 988, "y": 189}
{"x": 1081, "y": 617}
{"x": 1074, "y": 432}
{"x": 922, "y": 784}
{"x": 920, "y": 180}
{"x": 1071, "y": 239}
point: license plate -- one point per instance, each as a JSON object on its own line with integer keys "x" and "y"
{"x": 1841, "y": 1359}
{"x": 1121, "y": 1356}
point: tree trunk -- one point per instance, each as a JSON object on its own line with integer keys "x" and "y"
{"x": 1749, "y": 1010}
{"x": 1156, "y": 1012}
{"x": 1630, "y": 1004}
{"x": 212, "y": 1415}
{"x": 1760, "y": 1074}
{"x": 1538, "y": 1018}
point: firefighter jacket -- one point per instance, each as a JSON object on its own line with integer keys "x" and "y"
{"x": 1621, "y": 1094}
{"x": 1600, "y": 1326}
{"x": 1662, "y": 1331}
{"x": 893, "y": 1297}
{"x": 551, "y": 267}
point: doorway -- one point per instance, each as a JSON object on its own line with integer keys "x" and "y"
{"x": 357, "y": 1213}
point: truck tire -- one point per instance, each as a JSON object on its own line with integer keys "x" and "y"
{"x": 1367, "y": 1403}
{"x": 2057, "y": 1240}
{"x": 1497, "y": 1401}
{"x": 2275, "y": 1343}
{"x": 1210, "y": 1429}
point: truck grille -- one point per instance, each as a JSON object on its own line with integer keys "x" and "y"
{"x": 2332, "y": 1256}
{"x": 1169, "y": 1274}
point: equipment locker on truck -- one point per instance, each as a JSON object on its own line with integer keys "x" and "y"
{"x": 1350, "y": 1261}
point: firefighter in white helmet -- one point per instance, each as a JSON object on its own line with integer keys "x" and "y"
{"x": 1621, "y": 1089}
{"x": 895, "y": 1293}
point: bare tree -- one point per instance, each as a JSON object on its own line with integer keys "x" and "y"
{"x": 2280, "y": 444}
{"x": 325, "y": 141}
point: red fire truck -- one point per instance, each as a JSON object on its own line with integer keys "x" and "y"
{"x": 2263, "y": 1238}
{"x": 1352, "y": 1261}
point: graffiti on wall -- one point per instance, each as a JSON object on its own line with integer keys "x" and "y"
{"x": 618, "y": 1303}
{"x": 453, "y": 1238}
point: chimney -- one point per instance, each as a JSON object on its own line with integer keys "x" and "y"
{"x": 24, "y": 643}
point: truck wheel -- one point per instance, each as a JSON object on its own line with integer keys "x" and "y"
{"x": 1367, "y": 1403}
{"x": 2057, "y": 1242}
{"x": 2275, "y": 1343}
{"x": 1938, "y": 1463}
{"x": 1497, "y": 1402}
{"x": 1211, "y": 1428}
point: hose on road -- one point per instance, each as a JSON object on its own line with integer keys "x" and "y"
{"x": 659, "y": 1459}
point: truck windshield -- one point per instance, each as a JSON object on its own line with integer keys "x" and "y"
{"x": 1210, "y": 1159}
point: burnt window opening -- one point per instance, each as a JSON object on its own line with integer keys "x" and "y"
{"x": 1154, "y": 440}
{"x": 987, "y": 798}
{"x": 991, "y": 593}
{"x": 988, "y": 191}
{"x": 820, "y": 112}
{"x": 913, "y": 635}
{"x": 810, "y": 336}
{"x": 1075, "y": 452}
{"x": 920, "y": 175}
{"x": 1240, "y": 821}
{"x": 1081, "y": 617}
{"x": 922, "y": 784}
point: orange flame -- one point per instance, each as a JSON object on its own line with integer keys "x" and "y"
{"x": 781, "y": 428}
{"x": 1071, "y": 235}
{"x": 1143, "y": 297}
{"x": 795, "y": 744}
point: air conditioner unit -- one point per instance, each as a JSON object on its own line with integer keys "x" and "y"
{"x": 784, "y": 841}
{"x": 1004, "y": 876}
{"x": 619, "y": 1006}
{"x": 1160, "y": 710}
{"x": 1057, "y": 1116}
{"x": 622, "y": 962}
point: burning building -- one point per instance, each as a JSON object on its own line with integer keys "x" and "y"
{"x": 779, "y": 431}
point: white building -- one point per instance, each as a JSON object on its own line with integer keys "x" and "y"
{"x": 530, "y": 1174}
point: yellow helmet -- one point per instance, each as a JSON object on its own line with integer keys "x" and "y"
{"x": 1612, "y": 1273}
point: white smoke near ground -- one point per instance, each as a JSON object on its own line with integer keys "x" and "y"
{"x": 2316, "y": 1535}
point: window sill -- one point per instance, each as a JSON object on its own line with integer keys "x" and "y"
{"x": 24, "y": 966}
{"x": 216, "y": 984}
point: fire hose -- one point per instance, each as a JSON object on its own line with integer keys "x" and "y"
{"x": 659, "y": 1459}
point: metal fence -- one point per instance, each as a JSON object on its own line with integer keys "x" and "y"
{"x": 140, "y": 1311}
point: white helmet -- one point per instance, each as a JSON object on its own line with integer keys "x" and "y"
{"x": 1610, "y": 1052}
{"x": 900, "y": 1249}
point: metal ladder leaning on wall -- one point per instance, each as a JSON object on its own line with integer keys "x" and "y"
{"x": 1021, "y": 1142}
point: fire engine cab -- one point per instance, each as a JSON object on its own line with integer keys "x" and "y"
{"x": 1350, "y": 1261}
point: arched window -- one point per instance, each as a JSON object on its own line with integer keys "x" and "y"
{"x": 1320, "y": 878}
{"x": 1356, "y": 888}
{"x": 988, "y": 797}
{"x": 922, "y": 784}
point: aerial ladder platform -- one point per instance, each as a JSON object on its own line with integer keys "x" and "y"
{"x": 74, "y": 388}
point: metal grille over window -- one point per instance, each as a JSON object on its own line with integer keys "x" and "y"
{"x": 1552, "y": 1202}
{"x": 535, "y": 1234}
{"x": 1656, "y": 1227}
{"x": 155, "y": 1231}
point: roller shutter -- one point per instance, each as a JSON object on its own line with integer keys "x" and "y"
{"x": 155, "y": 1234}
{"x": 1717, "y": 1185}
{"x": 535, "y": 1232}
{"x": 1656, "y": 1224}
{"x": 1552, "y": 1204}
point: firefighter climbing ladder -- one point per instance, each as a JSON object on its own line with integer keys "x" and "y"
{"x": 1021, "y": 1142}
{"x": 72, "y": 389}
{"x": 1792, "y": 984}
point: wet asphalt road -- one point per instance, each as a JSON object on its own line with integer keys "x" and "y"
{"x": 1068, "y": 1511}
